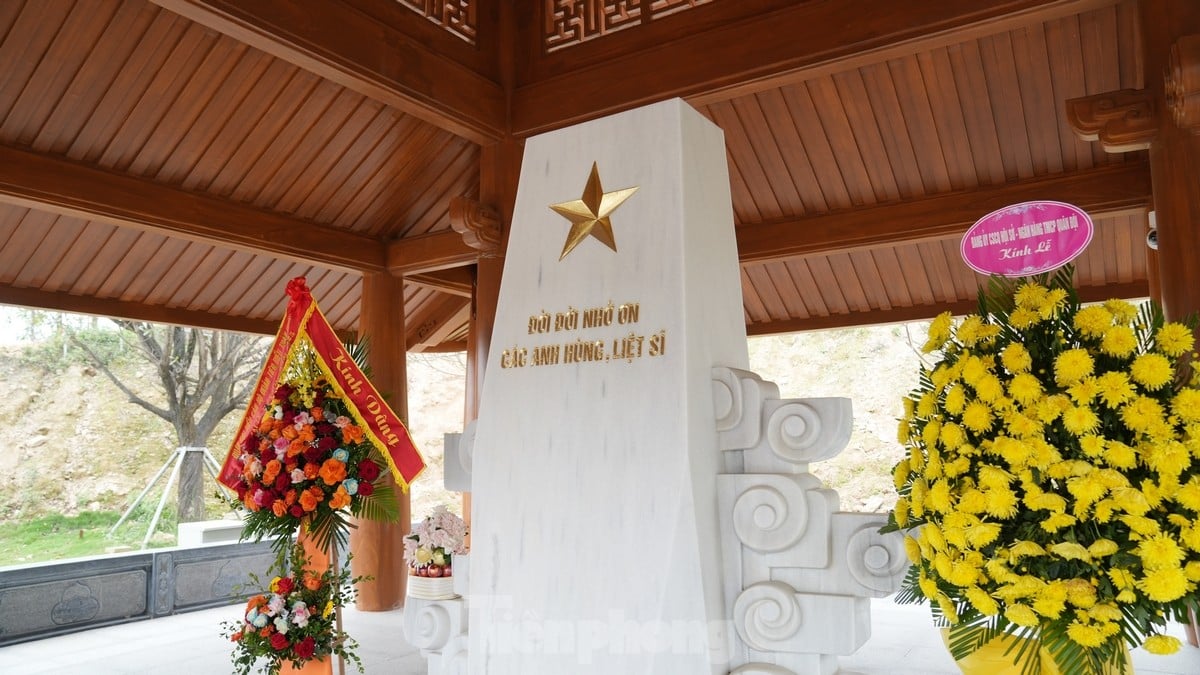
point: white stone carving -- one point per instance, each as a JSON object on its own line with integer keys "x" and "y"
{"x": 798, "y": 573}
{"x": 438, "y": 628}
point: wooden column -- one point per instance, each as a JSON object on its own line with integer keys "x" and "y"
{"x": 378, "y": 548}
{"x": 1164, "y": 118}
{"x": 500, "y": 168}
{"x": 1171, "y": 40}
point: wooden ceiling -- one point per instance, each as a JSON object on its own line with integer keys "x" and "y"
{"x": 180, "y": 160}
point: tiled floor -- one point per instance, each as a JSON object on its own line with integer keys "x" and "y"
{"x": 903, "y": 642}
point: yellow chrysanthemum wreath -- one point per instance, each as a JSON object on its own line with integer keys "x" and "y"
{"x": 1052, "y": 485}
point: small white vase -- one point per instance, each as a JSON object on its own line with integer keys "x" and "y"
{"x": 431, "y": 588}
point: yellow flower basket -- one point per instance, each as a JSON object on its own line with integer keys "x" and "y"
{"x": 991, "y": 659}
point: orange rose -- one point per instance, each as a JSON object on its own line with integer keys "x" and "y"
{"x": 289, "y": 433}
{"x": 339, "y": 499}
{"x": 352, "y": 434}
{"x": 307, "y": 501}
{"x": 290, "y": 497}
{"x": 307, "y": 434}
{"x": 266, "y": 630}
{"x": 318, "y": 414}
{"x": 271, "y": 471}
{"x": 317, "y": 493}
{"x": 311, "y": 582}
{"x": 248, "y": 501}
{"x": 255, "y": 602}
{"x": 311, "y": 470}
{"x": 265, "y": 424}
{"x": 333, "y": 471}
{"x": 278, "y": 508}
{"x": 296, "y": 447}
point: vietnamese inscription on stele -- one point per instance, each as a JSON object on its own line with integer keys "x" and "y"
{"x": 586, "y": 348}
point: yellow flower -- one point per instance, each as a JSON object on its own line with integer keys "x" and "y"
{"x": 328, "y": 610}
{"x": 1121, "y": 578}
{"x": 1152, "y": 371}
{"x": 1022, "y": 616}
{"x": 1119, "y": 341}
{"x": 930, "y": 432}
{"x": 1080, "y": 420}
{"x": 1025, "y": 388}
{"x": 977, "y": 417}
{"x": 1022, "y": 318}
{"x": 1025, "y": 549}
{"x": 972, "y": 501}
{"x": 989, "y": 389}
{"x": 968, "y": 332}
{"x": 1186, "y": 404}
{"x": 1142, "y": 415}
{"x": 900, "y": 511}
{"x": 1051, "y": 600}
{"x": 1120, "y": 456}
{"x": 1169, "y": 459}
{"x": 983, "y": 602}
{"x": 982, "y": 534}
{"x": 1092, "y": 320}
{"x": 1056, "y": 522}
{"x": 1072, "y": 366}
{"x": 1030, "y": 295}
{"x": 1001, "y": 503}
{"x": 928, "y": 586}
{"x": 957, "y": 467}
{"x": 1103, "y": 547}
{"x": 1047, "y": 501}
{"x": 926, "y": 405}
{"x": 939, "y": 332}
{"x": 1105, "y": 612}
{"x": 1131, "y": 500}
{"x": 1174, "y": 339}
{"x": 1087, "y": 490}
{"x": 940, "y": 377}
{"x": 912, "y": 549}
{"x": 1081, "y": 593}
{"x": 956, "y": 400}
{"x": 1188, "y": 495}
{"x": 1121, "y": 310}
{"x": 1084, "y": 390}
{"x": 1141, "y": 525}
{"x": 1159, "y": 552}
{"x": 1115, "y": 388}
{"x": 1052, "y": 302}
{"x": 900, "y": 473}
{"x": 1084, "y": 634}
{"x": 1070, "y": 551}
{"x": 1164, "y": 585}
{"x": 940, "y": 499}
{"x": 1015, "y": 358}
{"x": 973, "y": 368}
{"x": 947, "y": 608}
{"x": 1092, "y": 446}
{"x": 933, "y": 534}
{"x": 1161, "y": 644}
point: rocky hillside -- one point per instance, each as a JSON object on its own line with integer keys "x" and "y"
{"x": 73, "y": 443}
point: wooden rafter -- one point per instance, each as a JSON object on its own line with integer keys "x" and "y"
{"x": 65, "y": 302}
{"x": 1135, "y": 289}
{"x": 361, "y": 54}
{"x": 429, "y": 253}
{"x": 51, "y": 184}
{"x": 708, "y": 63}
{"x": 453, "y": 280}
{"x": 1111, "y": 189}
{"x": 436, "y": 321}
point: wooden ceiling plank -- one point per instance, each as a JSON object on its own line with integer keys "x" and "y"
{"x": 64, "y": 187}
{"x": 26, "y": 245}
{"x": 1129, "y": 42}
{"x": 764, "y": 286}
{"x": 918, "y": 115}
{"x": 948, "y": 120}
{"x": 375, "y": 172}
{"x": 196, "y": 96}
{"x": 97, "y": 269}
{"x": 966, "y": 63}
{"x": 1004, "y": 91}
{"x": 850, "y": 284}
{"x": 55, "y": 71}
{"x": 137, "y": 311}
{"x": 810, "y": 294}
{"x": 354, "y": 170}
{"x": 156, "y": 99}
{"x": 893, "y": 282}
{"x": 828, "y": 283}
{"x": 933, "y": 261}
{"x": 852, "y": 91}
{"x": 791, "y": 44}
{"x": 157, "y": 265}
{"x": 738, "y": 146}
{"x": 253, "y": 267}
{"x": 342, "y": 302}
{"x": 164, "y": 291}
{"x": 463, "y": 167}
{"x": 123, "y": 269}
{"x": 785, "y": 285}
{"x": 1109, "y": 189}
{"x": 816, "y": 145}
{"x": 1066, "y": 76}
{"x": 751, "y": 302}
{"x": 831, "y": 110}
{"x": 25, "y": 46}
{"x": 885, "y": 104}
{"x": 264, "y": 297}
{"x": 216, "y": 271}
{"x": 152, "y": 50}
{"x": 791, "y": 147}
{"x": 9, "y": 12}
{"x": 1099, "y": 54}
{"x": 1037, "y": 94}
{"x": 359, "y": 53}
{"x": 94, "y": 76}
{"x": 908, "y": 257}
{"x": 765, "y": 147}
{"x": 382, "y": 214}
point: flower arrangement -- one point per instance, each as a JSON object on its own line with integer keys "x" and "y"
{"x": 294, "y": 619}
{"x": 429, "y": 550}
{"x": 308, "y": 463}
{"x": 1052, "y": 486}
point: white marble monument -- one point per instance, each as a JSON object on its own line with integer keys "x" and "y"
{"x": 641, "y": 502}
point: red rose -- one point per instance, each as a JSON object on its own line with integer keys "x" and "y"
{"x": 314, "y": 454}
{"x": 279, "y": 641}
{"x": 282, "y": 481}
{"x": 285, "y": 585}
{"x": 368, "y": 470}
{"x": 365, "y": 489}
{"x": 297, "y": 511}
{"x": 306, "y": 647}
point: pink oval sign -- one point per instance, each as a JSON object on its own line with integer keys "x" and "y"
{"x": 1027, "y": 238}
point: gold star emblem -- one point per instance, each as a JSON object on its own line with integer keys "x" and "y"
{"x": 589, "y": 214}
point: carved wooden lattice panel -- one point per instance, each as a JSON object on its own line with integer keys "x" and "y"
{"x": 572, "y": 22}
{"x": 456, "y": 16}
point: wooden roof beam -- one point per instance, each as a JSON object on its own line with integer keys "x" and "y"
{"x": 453, "y": 280}
{"x": 708, "y": 63}
{"x": 429, "y": 253}
{"x": 1111, "y": 189}
{"x": 363, "y": 55}
{"x": 79, "y": 304}
{"x": 51, "y": 184}
{"x": 1131, "y": 290}
{"x": 436, "y": 321}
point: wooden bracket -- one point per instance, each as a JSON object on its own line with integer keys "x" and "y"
{"x": 1122, "y": 121}
{"x": 478, "y": 224}
{"x": 1182, "y": 82}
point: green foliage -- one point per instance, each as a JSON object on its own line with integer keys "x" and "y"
{"x": 59, "y": 351}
